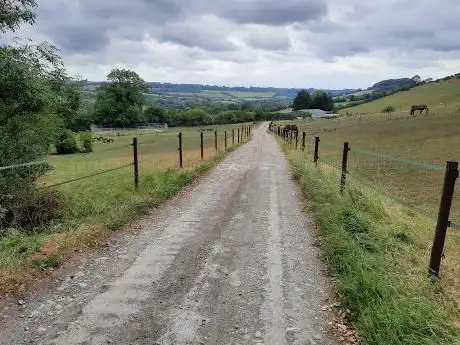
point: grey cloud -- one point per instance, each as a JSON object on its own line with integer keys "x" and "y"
{"x": 273, "y": 12}
{"x": 374, "y": 27}
{"x": 82, "y": 40}
{"x": 198, "y": 34}
{"x": 59, "y": 17}
{"x": 268, "y": 40}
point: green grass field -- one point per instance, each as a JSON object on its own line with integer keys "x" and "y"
{"x": 402, "y": 157}
{"x": 100, "y": 204}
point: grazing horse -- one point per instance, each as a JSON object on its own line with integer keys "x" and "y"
{"x": 420, "y": 107}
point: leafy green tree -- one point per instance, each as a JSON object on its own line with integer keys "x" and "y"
{"x": 71, "y": 107}
{"x": 155, "y": 114}
{"x": 302, "y": 100}
{"x": 197, "y": 117}
{"x": 121, "y": 101}
{"x": 15, "y": 12}
{"x": 321, "y": 100}
{"x": 30, "y": 75}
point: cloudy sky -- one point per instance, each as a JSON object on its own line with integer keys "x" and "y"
{"x": 284, "y": 43}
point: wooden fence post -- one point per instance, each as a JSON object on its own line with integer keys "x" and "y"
{"x": 181, "y": 165}
{"x": 135, "y": 164}
{"x": 202, "y": 145}
{"x": 215, "y": 140}
{"x": 296, "y": 139}
{"x": 225, "y": 140}
{"x": 304, "y": 135}
{"x": 343, "y": 178}
{"x": 450, "y": 176}
{"x": 316, "y": 155}
{"x": 233, "y": 136}
{"x": 238, "y": 135}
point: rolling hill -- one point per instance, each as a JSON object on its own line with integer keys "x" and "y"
{"x": 439, "y": 94}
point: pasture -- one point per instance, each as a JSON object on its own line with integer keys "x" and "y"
{"x": 437, "y": 95}
{"x": 97, "y": 205}
{"x": 402, "y": 159}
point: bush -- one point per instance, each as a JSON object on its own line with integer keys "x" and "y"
{"x": 388, "y": 109}
{"x": 87, "y": 142}
{"x": 37, "y": 208}
{"x": 66, "y": 143}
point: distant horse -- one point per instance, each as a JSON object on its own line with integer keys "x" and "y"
{"x": 420, "y": 107}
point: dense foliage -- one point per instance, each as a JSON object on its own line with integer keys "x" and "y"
{"x": 320, "y": 100}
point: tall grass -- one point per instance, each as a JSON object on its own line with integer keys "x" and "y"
{"x": 372, "y": 249}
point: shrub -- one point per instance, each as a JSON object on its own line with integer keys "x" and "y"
{"x": 37, "y": 208}
{"x": 87, "y": 142}
{"x": 66, "y": 143}
{"x": 388, "y": 109}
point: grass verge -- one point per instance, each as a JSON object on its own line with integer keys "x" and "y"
{"x": 373, "y": 250}
{"x": 96, "y": 208}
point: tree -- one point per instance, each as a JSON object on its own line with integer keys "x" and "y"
{"x": 71, "y": 107}
{"x": 197, "y": 117}
{"x": 155, "y": 114}
{"x": 120, "y": 102}
{"x": 321, "y": 100}
{"x": 302, "y": 100}
{"x": 30, "y": 77}
{"x": 15, "y": 12}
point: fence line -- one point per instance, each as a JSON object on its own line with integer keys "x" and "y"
{"x": 135, "y": 162}
{"x": 444, "y": 214}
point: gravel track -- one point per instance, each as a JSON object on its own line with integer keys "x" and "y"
{"x": 231, "y": 261}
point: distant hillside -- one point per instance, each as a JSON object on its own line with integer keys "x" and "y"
{"x": 443, "y": 93}
{"x": 395, "y": 84}
{"x": 171, "y": 88}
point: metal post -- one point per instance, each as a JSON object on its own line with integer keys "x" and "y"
{"x": 316, "y": 155}
{"x": 443, "y": 217}
{"x": 180, "y": 151}
{"x": 135, "y": 164}
{"x": 225, "y": 140}
{"x": 346, "y": 149}
{"x": 215, "y": 140}
{"x": 304, "y": 135}
{"x": 202, "y": 145}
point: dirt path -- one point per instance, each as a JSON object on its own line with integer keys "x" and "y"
{"x": 230, "y": 262}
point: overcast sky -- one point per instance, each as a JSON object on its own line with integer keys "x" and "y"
{"x": 284, "y": 43}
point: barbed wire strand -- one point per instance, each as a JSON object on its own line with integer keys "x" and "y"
{"x": 408, "y": 161}
{"x": 23, "y": 165}
{"x": 85, "y": 177}
{"x": 385, "y": 194}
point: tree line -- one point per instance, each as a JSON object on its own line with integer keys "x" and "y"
{"x": 319, "y": 100}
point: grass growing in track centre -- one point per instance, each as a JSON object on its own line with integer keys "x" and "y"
{"x": 98, "y": 205}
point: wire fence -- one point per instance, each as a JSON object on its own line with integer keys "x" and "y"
{"x": 146, "y": 154}
{"x": 424, "y": 188}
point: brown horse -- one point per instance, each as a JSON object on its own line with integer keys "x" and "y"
{"x": 420, "y": 107}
